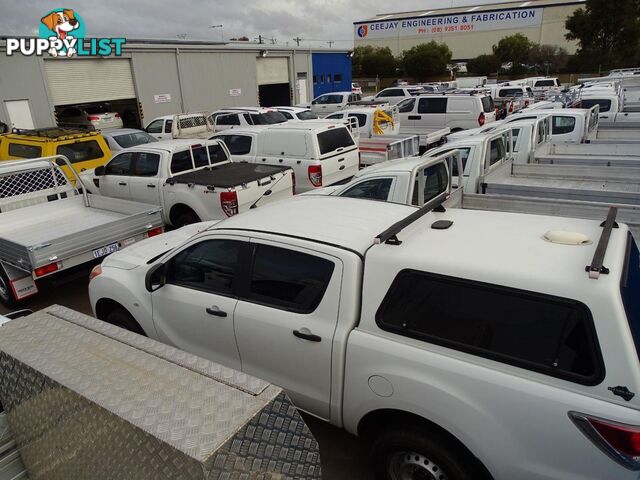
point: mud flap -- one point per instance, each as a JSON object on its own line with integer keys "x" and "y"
{"x": 21, "y": 282}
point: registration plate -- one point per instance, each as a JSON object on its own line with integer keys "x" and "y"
{"x": 106, "y": 250}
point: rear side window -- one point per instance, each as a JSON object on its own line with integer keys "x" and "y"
{"x": 361, "y": 117}
{"x": 227, "y": 119}
{"x": 496, "y": 151}
{"x": 563, "y": 125}
{"x": 217, "y": 154}
{"x": 487, "y": 105}
{"x": 435, "y": 182}
{"x": 331, "y": 140}
{"x": 146, "y": 164}
{"x": 288, "y": 280}
{"x": 200, "y": 158}
{"x": 181, "y": 161}
{"x": 406, "y": 106}
{"x": 551, "y": 335}
{"x": 167, "y": 126}
{"x": 81, "y": 151}
{"x": 237, "y": 144}
{"x": 432, "y": 105}
{"x": 24, "y": 151}
{"x": 605, "y": 105}
{"x": 629, "y": 287}
{"x": 464, "y": 156}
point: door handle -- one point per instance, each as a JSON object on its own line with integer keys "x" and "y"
{"x": 341, "y": 159}
{"x": 305, "y": 334}
{"x": 151, "y": 185}
{"x": 216, "y": 312}
{"x": 415, "y": 117}
{"x": 280, "y": 160}
{"x": 342, "y": 167}
{"x": 124, "y": 184}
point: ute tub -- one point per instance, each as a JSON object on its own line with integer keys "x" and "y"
{"x": 86, "y": 400}
{"x": 228, "y": 175}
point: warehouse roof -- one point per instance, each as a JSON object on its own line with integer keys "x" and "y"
{"x": 433, "y": 12}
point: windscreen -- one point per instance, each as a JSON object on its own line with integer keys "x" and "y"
{"x": 307, "y": 115}
{"x": 629, "y": 285}
{"x": 267, "y": 118}
{"x": 331, "y": 140}
{"x": 127, "y": 140}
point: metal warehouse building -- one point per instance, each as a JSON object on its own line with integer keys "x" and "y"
{"x": 470, "y": 31}
{"x": 154, "y": 78}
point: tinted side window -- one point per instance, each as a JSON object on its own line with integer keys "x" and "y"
{"x": 200, "y": 158}
{"x": 237, "y": 144}
{"x": 548, "y": 334}
{"x": 181, "y": 161}
{"x": 24, "y": 151}
{"x": 406, "y": 106}
{"x": 330, "y": 140}
{"x": 496, "y": 151}
{"x": 376, "y": 189}
{"x": 146, "y": 164}
{"x": 487, "y": 104}
{"x": 217, "y": 154}
{"x": 207, "y": 266}
{"x": 563, "y": 125}
{"x": 228, "y": 119}
{"x": 81, "y": 151}
{"x": 432, "y": 105}
{"x": 167, "y": 126}
{"x": 288, "y": 280}
{"x": 435, "y": 182}
{"x": 120, "y": 164}
{"x": 155, "y": 126}
{"x": 361, "y": 117}
{"x": 605, "y": 105}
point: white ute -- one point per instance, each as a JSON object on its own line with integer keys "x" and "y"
{"x": 461, "y": 344}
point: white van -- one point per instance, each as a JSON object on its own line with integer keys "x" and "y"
{"x": 455, "y": 111}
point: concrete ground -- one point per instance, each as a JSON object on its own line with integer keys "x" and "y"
{"x": 343, "y": 456}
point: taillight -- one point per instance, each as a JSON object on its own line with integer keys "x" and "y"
{"x": 229, "y": 203}
{"x": 155, "y": 231}
{"x": 618, "y": 440}
{"x": 526, "y": 103}
{"x": 315, "y": 175}
{"x": 46, "y": 269}
{"x": 481, "y": 119}
{"x": 293, "y": 182}
{"x": 93, "y": 119}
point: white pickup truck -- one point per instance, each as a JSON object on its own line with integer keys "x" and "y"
{"x": 612, "y": 108}
{"x": 192, "y": 180}
{"x": 319, "y": 152}
{"x": 357, "y": 313}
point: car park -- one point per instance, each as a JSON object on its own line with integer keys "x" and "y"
{"x": 99, "y": 117}
{"x": 126, "y": 137}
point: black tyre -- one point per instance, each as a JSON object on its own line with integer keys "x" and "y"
{"x": 186, "y": 217}
{"x": 7, "y": 298}
{"x": 407, "y": 453}
{"x": 123, "y": 319}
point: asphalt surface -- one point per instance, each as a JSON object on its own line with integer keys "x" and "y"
{"x": 343, "y": 456}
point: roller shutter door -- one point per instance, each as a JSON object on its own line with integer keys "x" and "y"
{"x": 85, "y": 81}
{"x": 272, "y": 71}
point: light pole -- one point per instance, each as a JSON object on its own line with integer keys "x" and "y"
{"x": 221, "y": 27}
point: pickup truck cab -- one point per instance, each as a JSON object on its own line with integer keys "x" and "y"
{"x": 611, "y": 108}
{"x": 460, "y": 344}
{"x": 192, "y": 180}
{"x": 328, "y": 103}
{"x": 84, "y": 149}
{"x": 320, "y": 153}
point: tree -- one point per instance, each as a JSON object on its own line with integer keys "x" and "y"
{"x": 484, "y": 64}
{"x": 548, "y": 58}
{"x": 608, "y": 33}
{"x": 426, "y": 60}
{"x": 372, "y": 61}
{"x": 514, "y": 49}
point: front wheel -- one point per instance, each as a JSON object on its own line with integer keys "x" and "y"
{"x": 411, "y": 454}
{"x": 123, "y": 319}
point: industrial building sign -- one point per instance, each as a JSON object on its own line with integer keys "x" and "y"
{"x": 62, "y": 34}
{"x": 451, "y": 24}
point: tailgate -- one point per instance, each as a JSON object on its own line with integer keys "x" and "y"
{"x": 340, "y": 166}
{"x": 229, "y": 175}
{"x": 278, "y": 186}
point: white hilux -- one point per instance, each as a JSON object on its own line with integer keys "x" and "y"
{"x": 461, "y": 344}
{"x": 319, "y": 152}
{"x": 192, "y": 180}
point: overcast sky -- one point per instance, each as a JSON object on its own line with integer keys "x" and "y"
{"x": 316, "y": 22}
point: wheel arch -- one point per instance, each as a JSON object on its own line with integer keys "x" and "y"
{"x": 179, "y": 209}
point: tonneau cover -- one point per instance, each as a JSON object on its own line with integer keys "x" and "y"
{"x": 87, "y": 400}
{"x": 227, "y": 175}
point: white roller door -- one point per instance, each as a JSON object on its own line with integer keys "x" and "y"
{"x": 273, "y": 70}
{"x": 85, "y": 81}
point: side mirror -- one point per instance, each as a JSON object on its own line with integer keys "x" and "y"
{"x": 155, "y": 278}
{"x": 99, "y": 171}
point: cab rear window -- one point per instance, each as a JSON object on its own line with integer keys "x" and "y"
{"x": 81, "y": 151}
{"x": 331, "y": 140}
{"x": 487, "y": 104}
{"x": 605, "y": 105}
{"x": 629, "y": 285}
{"x": 24, "y": 151}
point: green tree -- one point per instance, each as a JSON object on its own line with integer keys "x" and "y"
{"x": 484, "y": 64}
{"x": 608, "y": 33}
{"x": 548, "y": 58}
{"x": 426, "y": 60}
{"x": 372, "y": 61}
{"x": 514, "y": 49}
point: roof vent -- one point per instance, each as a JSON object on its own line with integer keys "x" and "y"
{"x": 562, "y": 237}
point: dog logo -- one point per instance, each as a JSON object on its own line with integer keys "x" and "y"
{"x": 363, "y": 30}
{"x": 68, "y": 29}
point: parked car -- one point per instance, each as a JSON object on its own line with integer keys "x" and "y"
{"x": 296, "y": 113}
{"x": 356, "y": 88}
{"x": 192, "y": 180}
{"x": 332, "y": 102}
{"x": 460, "y": 344}
{"x": 320, "y": 153}
{"x": 396, "y": 94}
{"x": 85, "y": 150}
{"x": 100, "y": 117}
{"x": 126, "y": 137}
{"x": 243, "y": 117}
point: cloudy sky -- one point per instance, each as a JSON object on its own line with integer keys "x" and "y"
{"x": 317, "y": 22}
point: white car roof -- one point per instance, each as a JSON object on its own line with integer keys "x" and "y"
{"x": 244, "y": 110}
{"x": 167, "y": 145}
{"x": 292, "y": 109}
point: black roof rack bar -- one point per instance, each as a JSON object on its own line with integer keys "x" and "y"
{"x": 597, "y": 268}
{"x": 390, "y": 234}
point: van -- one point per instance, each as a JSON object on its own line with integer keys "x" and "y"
{"x": 455, "y": 111}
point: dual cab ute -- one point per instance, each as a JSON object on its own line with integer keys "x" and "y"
{"x": 461, "y": 344}
{"x": 192, "y": 180}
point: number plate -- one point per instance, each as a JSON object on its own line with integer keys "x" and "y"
{"x": 106, "y": 250}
